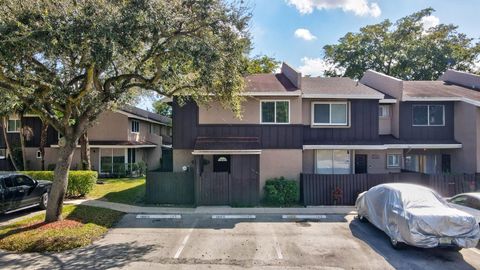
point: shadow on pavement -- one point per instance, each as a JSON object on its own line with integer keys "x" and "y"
{"x": 407, "y": 257}
{"x": 91, "y": 257}
{"x": 205, "y": 221}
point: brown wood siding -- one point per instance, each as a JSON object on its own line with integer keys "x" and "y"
{"x": 363, "y": 127}
{"x": 432, "y": 133}
{"x": 185, "y": 122}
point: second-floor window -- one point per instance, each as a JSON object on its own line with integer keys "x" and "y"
{"x": 330, "y": 114}
{"x": 275, "y": 112}
{"x": 428, "y": 115}
{"x": 13, "y": 125}
{"x": 135, "y": 126}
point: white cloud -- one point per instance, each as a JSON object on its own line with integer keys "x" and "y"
{"x": 304, "y": 34}
{"x": 429, "y": 22}
{"x": 358, "y": 7}
{"x": 315, "y": 66}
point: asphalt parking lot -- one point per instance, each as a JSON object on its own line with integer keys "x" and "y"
{"x": 266, "y": 242}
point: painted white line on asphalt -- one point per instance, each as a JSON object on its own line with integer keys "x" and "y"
{"x": 160, "y": 216}
{"x": 304, "y": 216}
{"x": 474, "y": 250}
{"x": 234, "y": 217}
{"x": 185, "y": 240}
{"x": 276, "y": 244}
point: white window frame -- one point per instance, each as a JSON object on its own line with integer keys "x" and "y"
{"x": 275, "y": 112}
{"x": 385, "y": 109}
{"x": 16, "y": 119}
{"x": 132, "y": 126}
{"x": 3, "y": 153}
{"x": 399, "y": 158}
{"x": 428, "y": 115}
{"x": 39, "y": 154}
{"x": 330, "y": 124}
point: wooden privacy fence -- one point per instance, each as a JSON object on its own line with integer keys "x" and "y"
{"x": 169, "y": 188}
{"x": 317, "y": 189}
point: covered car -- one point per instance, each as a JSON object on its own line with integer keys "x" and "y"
{"x": 417, "y": 216}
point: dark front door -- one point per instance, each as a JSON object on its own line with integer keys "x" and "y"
{"x": 446, "y": 163}
{"x": 360, "y": 164}
{"x": 244, "y": 180}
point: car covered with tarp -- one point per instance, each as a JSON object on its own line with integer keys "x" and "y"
{"x": 416, "y": 215}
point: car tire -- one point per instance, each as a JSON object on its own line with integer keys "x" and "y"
{"x": 44, "y": 201}
{"x": 457, "y": 249}
{"x": 395, "y": 244}
{"x": 361, "y": 218}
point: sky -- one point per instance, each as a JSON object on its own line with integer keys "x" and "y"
{"x": 295, "y": 31}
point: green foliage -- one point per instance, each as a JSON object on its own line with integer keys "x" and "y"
{"x": 162, "y": 108}
{"x": 31, "y": 235}
{"x": 80, "y": 183}
{"x": 281, "y": 192}
{"x": 405, "y": 50}
{"x": 260, "y": 64}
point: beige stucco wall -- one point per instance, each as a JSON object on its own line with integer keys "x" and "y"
{"x": 466, "y": 118}
{"x": 51, "y": 157}
{"x": 110, "y": 126}
{"x": 377, "y": 160}
{"x": 308, "y": 161}
{"x": 182, "y": 158}
{"x": 280, "y": 162}
{"x": 216, "y": 114}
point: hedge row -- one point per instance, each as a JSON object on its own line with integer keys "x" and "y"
{"x": 80, "y": 183}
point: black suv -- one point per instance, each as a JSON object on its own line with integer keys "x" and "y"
{"x": 18, "y": 191}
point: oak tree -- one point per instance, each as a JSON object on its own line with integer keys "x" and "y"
{"x": 71, "y": 60}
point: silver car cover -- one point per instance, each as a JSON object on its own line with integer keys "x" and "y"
{"x": 417, "y": 216}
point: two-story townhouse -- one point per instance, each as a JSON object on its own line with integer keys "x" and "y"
{"x": 435, "y": 123}
{"x": 121, "y": 137}
{"x": 290, "y": 125}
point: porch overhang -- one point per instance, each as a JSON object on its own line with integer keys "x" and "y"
{"x": 227, "y": 146}
{"x": 382, "y": 147}
{"x": 227, "y": 152}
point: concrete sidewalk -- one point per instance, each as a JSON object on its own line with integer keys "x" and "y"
{"x": 133, "y": 209}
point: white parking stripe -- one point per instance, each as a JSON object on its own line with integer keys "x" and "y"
{"x": 304, "y": 216}
{"x": 185, "y": 240}
{"x": 233, "y": 217}
{"x": 276, "y": 244}
{"x": 160, "y": 216}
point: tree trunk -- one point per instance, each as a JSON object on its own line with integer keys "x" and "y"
{"x": 7, "y": 143}
{"x": 85, "y": 152}
{"x": 22, "y": 143}
{"x": 43, "y": 142}
{"x": 60, "y": 181}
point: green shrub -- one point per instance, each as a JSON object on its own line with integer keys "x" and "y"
{"x": 80, "y": 183}
{"x": 281, "y": 192}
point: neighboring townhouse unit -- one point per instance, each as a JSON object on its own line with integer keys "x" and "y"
{"x": 120, "y": 139}
{"x": 290, "y": 125}
{"x": 437, "y": 121}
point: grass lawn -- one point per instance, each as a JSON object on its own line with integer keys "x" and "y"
{"x": 122, "y": 190}
{"x": 80, "y": 227}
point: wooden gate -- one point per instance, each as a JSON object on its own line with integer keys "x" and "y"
{"x": 240, "y": 187}
{"x": 244, "y": 180}
{"x": 214, "y": 188}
